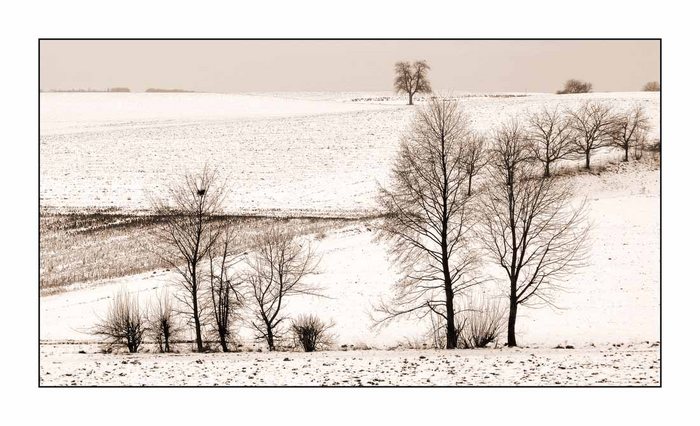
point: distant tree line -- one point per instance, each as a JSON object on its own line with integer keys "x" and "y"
{"x": 109, "y": 90}
{"x": 157, "y": 90}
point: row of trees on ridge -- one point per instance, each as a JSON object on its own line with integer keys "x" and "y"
{"x": 522, "y": 219}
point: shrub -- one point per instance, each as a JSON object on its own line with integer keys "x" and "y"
{"x": 652, "y": 86}
{"x": 310, "y": 333}
{"x": 638, "y": 149}
{"x": 482, "y": 325}
{"x": 125, "y": 324}
{"x": 655, "y": 145}
{"x": 575, "y": 86}
{"x": 162, "y": 323}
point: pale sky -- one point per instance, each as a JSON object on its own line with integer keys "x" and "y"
{"x": 243, "y": 66}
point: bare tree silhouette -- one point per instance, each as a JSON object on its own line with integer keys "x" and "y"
{"x": 429, "y": 219}
{"x": 630, "y": 129}
{"x": 278, "y": 266}
{"x": 226, "y": 298}
{"x": 529, "y": 225}
{"x": 551, "y": 136}
{"x": 187, "y": 233}
{"x": 411, "y": 78}
{"x": 476, "y": 158}
{"x": 592, "y": 123}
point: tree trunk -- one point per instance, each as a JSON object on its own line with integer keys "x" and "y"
{"x": 511, "y": 322}
{"x": 195, "y": 310}
{"x": 197, "y": 325}
{"x": 449, "y": 307}
{"x": 270, "y": 339}
{"x": 166, "y": 338}
{"x": 588, "y": 160}
{"x": 410, "y": 98}
{"x": 469, "y": 186}
{"x": 451, "y": 333}
{"x": 198, "y": 331}
{"x": 546, "y": 169}
{"x": 627, "y": 154}
{"x": 224, "y": 345}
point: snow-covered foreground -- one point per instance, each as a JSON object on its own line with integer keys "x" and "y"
{"x": 622, "y": 365}
{"x": 614, "y": 299}
{"x": 312, "y": 154}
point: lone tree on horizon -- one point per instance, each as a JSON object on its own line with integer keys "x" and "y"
{"x": 412, "y": 78}
{"x": 428, "y": 222}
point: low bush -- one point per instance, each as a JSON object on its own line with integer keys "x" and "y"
{"x": 124, "y": 325}
{"x": 482, "y": 325}
{"x": 163, "y": 326}
{"x": 311, "y": 333}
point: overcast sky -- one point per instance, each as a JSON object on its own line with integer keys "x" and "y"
{"x": 241, "y": 66}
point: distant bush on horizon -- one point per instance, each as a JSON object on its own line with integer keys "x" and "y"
{"x": 652, "y": 86}
{"x": 575, "y": 86}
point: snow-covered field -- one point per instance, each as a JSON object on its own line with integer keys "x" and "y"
{"x": 324, "y": 154}
{"x": 614, "y": 299}
{"x": 307, "y": 153}
{"x": 626, "y": 365}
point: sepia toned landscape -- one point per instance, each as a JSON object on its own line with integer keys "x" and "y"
{"x": 418, "y": 236}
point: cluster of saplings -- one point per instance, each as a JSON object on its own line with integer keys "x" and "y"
{"x": 219, "y": 282}
{"x": 440, "y": 225}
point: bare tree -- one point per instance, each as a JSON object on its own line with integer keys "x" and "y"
{"x": 575, "y": 86}
{"x": 124, "y": 324}
{"x": 592, "y": 123}
{"x": 226, "y": 299}
{"x": 428, "y": 217}
{"x": 630, "y": 129}
{"x": 163, "y": 326}
{"x": 530, "y": 228}
{"x": 652, "y": 86}
{"x": 411, "y": 78}
{"x": 476, "y": 158}
{"x": 551, "y": 136}
{"x": 278, "y": 266}
{"x": 187, "y": 233}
